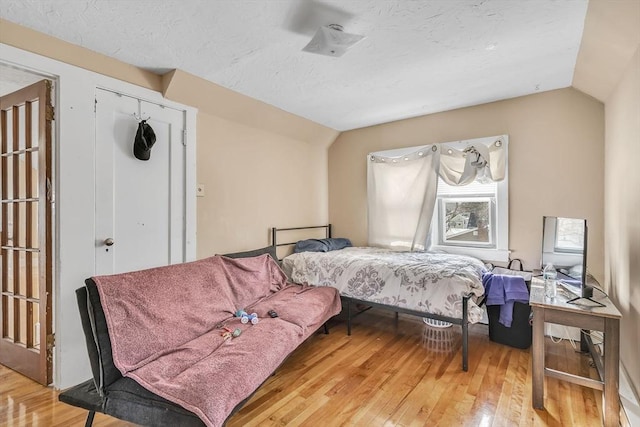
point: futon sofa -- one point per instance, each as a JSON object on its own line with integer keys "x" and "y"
{"x": 166, "y": 345}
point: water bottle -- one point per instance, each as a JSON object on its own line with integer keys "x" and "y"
{"x": 549, "y": 274}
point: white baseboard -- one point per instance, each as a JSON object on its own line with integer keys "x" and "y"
{"x": 630, "y": 404}
{"x": 560, "y": 331}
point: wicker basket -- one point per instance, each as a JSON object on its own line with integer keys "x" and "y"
{"x": 436, "y": 323}
{"x": 439, "y": 340}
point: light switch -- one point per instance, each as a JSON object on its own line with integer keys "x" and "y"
{"x": 200, "y": 190}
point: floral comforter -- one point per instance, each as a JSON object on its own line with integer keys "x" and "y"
{"x": 422, "y": 281}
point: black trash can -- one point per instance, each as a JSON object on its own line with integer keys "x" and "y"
{"x": 519, "y": 334}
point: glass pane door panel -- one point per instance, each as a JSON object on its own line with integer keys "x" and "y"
{"x": 20, "y": 129}
{"x": 35, "y": 116}
{"x": 33, "y": 159}
{"x": 21, "y": 241}
{"x": 9, "y": 129}
{"x": 9, "y": 276}
{"x": 22, "y": 277}
{"x": 34, "y": 226}
{"x": 35, "y": 273}
{"x": 35, "y": 309}
{"x": 8, "y": 320}
{"x": 22, "y": 172}
{"x": 22, "y": 336}
{"x": 9, "y": 183}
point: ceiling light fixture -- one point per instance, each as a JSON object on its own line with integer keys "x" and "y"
{"x": 331, "y": 40}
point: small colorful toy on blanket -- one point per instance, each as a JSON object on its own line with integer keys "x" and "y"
{"x": 246, "y": 318}
{"x": 231, "y": 334}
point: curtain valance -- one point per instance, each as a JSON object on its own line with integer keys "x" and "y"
{"x": 485, "y": 162}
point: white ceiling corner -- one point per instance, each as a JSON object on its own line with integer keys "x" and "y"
{"x": 418, "y": 57}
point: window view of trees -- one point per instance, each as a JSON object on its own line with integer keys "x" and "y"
{"x": 467, "y": 221}
{"x": 569, "y": 234}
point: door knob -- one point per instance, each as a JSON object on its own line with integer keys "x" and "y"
{"x": 109, "y": 241}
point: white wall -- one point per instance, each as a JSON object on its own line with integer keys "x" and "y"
{"x": 75, "y": 196}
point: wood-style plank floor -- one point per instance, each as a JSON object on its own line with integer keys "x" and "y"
{"x": 385, "y": 374}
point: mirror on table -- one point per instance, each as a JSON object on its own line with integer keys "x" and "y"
{"x": 564, "y": 245}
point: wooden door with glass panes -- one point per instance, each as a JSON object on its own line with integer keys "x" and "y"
{"x": 26, "y": 193}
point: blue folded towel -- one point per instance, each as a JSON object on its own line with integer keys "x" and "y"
{"x": 504, "y": 291}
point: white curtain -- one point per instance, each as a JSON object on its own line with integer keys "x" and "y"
{"x": 401, "y": 192}
{"x": 402, "y": 188}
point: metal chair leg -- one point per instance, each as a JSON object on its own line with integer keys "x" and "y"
{"x": 89, "y": 421}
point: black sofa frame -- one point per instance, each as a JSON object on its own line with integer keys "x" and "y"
{"x": 108, "y": 391}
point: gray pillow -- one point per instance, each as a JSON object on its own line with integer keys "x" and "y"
{"x": 271, "y": 250}
{"x": 321, "y": 245}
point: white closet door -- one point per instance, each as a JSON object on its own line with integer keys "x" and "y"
{"x": 140, "y": 205}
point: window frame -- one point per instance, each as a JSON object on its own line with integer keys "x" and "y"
{"x": 499, "y": 253}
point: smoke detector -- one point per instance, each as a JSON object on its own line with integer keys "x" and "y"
{"x": 331, "y": 40}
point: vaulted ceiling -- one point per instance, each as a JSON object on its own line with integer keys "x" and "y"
{"x": 418, "y": 57}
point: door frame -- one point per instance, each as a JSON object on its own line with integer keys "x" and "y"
{"x": 74, "y": 156}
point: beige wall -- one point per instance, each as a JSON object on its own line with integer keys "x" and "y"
{"x": 221, "y": 102}
{"x": 555, "y": 164}
{"x": 611, "y": 35}
{"x": 622, "y": 211}
{"x": 608, "y": 68}
{"x": 254, "y": 180}
{"x": 261, "y": 166}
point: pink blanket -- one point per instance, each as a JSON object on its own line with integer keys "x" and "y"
{"x": 165, "y": 327}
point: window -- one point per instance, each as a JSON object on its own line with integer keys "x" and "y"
{"x": 406, "y": 210}
{"x": 472, "y": 219}
{"x": 569, "y": 235}
{"x": 466, "y": 222}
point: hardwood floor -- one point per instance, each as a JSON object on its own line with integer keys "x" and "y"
{"x": 385, "y": 374}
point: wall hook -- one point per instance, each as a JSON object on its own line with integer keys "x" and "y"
{"x": 140, "y": 119}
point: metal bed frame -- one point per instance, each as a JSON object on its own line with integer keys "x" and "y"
{"x": 463, "y": 322}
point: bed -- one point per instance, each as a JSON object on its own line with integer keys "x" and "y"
{"x": 433, "y": 285}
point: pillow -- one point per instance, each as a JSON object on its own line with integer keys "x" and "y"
{"x": 271, "y": 250}
{"x": 321, "y": 245}
{"x": 576, "y": 271}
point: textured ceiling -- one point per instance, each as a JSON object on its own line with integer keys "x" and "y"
{"x": 418, "y": 57}
{"x": 12, "y": 79}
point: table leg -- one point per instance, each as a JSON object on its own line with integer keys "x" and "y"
{"x": 537, "y": 353}
{"x": 584, "y": 347}
{"x": 611, "y": 407}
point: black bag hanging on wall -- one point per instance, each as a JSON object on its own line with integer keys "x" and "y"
{"x": 145, "y": 138}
